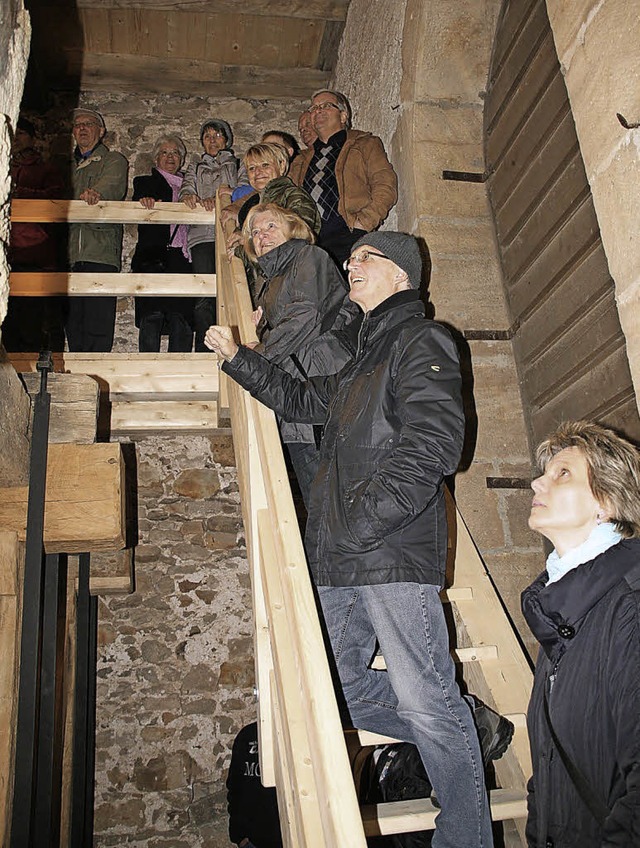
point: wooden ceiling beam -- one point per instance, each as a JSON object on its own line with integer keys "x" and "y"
{"x": 327, "y": 10}
{"x": 152, "y": 74}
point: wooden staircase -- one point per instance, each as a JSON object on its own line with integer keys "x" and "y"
{"x": 304, "y": 750}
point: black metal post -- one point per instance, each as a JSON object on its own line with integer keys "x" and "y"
{"x": 84, "y": 725}
{"x": 28, "y": 693}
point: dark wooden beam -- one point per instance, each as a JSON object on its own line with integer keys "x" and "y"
{"x": 117, "y": 72}
{"x": 328, "y": 10}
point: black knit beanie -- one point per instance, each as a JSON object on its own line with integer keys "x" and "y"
{"x": 400, "y": 248}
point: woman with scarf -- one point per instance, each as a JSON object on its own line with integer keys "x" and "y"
{"x": 216, "y": 168}
{"x": 162, "y": 249}
{"x": 584, "y": 609}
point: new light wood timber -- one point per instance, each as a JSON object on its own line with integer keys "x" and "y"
{"x": 136, "y": 373}
{"x": 459, "y": 655}
{"x": 106, "y": 212}
{"x": 289, "y": 702}
{"x": 51, "y": 283}
{"x": 163, "y": 415}
{"x": 407, "y": 816}
{"x": 10, "y": 552}
{"x": 84, "y": 500}
{"x": 74, "y": 405}
{"x": 330, "y": 10}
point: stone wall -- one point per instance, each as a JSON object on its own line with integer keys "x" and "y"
{"x": 15, "y": 34}
{"x": 175, "y": 668}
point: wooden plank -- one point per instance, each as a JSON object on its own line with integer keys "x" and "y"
{"x": 330, "y": 10}
{"x": 459, "y": 655}
{"x": 507, "y": 75}
{"x": 578, "y": 235}
{"x": 39, "y": 283}
{"x": 367, "y": 738}
{"x": 407, "y": 816}
{"x": 10, "y": 551}
{"x": 162, "y": 75}
{"x": 84, "y": 500}
{"x": 163, "y": 416}
{"x": 139, "y": 373}
{"x": 554, "y": 156}
{"x": 74, "y": 405}
{"x": 106, "y": 212}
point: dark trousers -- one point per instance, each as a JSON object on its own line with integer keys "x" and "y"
{"x": 203, "y": 260}
{"x": 90, "y": 321}
{"x": 33, "y": 324}
{"x": 176, "y": 325}
{"x": 338, "y": 245}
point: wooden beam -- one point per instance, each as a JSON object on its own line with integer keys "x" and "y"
{"x": 408, "y": 816}
{"x": 161, "y": 75}
{"x": 136, "y": 373}
{"x": 10, "y": 551}
{"x": 106, "y": 212}
{"x": 84, "y": 508}
{"x": 163, "y": 416}
{"x": 328, "y": 10}
{"x": 41, "y": 283}
{"x": 74, "y": 406}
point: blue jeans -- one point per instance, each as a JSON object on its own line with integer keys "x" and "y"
{"x": 417, "y": 699}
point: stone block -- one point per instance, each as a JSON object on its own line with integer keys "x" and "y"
{"x": 468, "y": 293}
{"x": 451, "y": 237}
{"x": 438, "y": 197}
{"x": 222, "y": 449}
{"x": 197, "y": 483}
{"x": 238, "y": 673}
{"x": 501, "y": 430}
{"x": 454, "y": 50}
{"x": 449, "y": 126}
{"x": 479, "y": 507}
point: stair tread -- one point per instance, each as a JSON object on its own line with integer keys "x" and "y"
{"x": 406, "y": 816}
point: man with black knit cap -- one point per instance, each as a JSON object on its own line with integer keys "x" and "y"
{"x": 376, "y": 536}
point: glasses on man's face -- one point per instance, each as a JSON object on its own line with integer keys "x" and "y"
{"x": 363, "y": 256}
{"x": 320, "y": 107}
{"x": 77, "y": 125}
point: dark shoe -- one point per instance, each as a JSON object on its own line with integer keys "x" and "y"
{"x": 494, "y": 731}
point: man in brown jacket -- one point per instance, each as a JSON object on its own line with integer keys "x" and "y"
{"x": 347, "y": 173}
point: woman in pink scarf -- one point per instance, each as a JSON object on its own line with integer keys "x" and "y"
{"x": 162, "y": 249}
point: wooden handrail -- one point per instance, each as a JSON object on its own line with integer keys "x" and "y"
{"x": 106, "y": 212}
{"x": 302, "y": 746}
{"x": 43, "y": 283}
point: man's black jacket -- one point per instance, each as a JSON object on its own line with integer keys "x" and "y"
{"x": 393, "y": 430}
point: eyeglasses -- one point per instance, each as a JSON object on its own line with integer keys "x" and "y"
{"x": 363, "y": 256}
{"x": 214, "y": 134}
{"x": 320, "y": 107}
{"x": 83, "y": 124}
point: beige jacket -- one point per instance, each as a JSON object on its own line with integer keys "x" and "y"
{"x": 367, "y": 183}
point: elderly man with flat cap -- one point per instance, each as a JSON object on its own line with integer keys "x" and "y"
{"x": 97, "y": 173}
{"x": 376, "y": 535}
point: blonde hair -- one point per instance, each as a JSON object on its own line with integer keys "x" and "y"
{"x": 613, "y": 466}
{"x": 293, "y": 225}
{"x": 275, "y": 154}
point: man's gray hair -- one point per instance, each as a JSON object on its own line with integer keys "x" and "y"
{"x": 341, "y": 101}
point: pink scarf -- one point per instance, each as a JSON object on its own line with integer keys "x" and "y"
{"x": 179, "y": 235}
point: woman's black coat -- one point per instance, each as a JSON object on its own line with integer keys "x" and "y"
{"x": 153, "y": 255}
{"x": 588, "y": 624}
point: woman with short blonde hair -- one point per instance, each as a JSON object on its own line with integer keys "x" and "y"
{"x": 584, "y": 609}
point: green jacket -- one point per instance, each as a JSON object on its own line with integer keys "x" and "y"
{"x": 106, "y": 172}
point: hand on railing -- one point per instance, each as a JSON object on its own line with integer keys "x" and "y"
{"x": 148, "y": 202}
{"x": 90, "y": 196}
{"x": 233, "y": 240}
{"x": 220, "y": 341}
{"x": 190, "y": 200}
